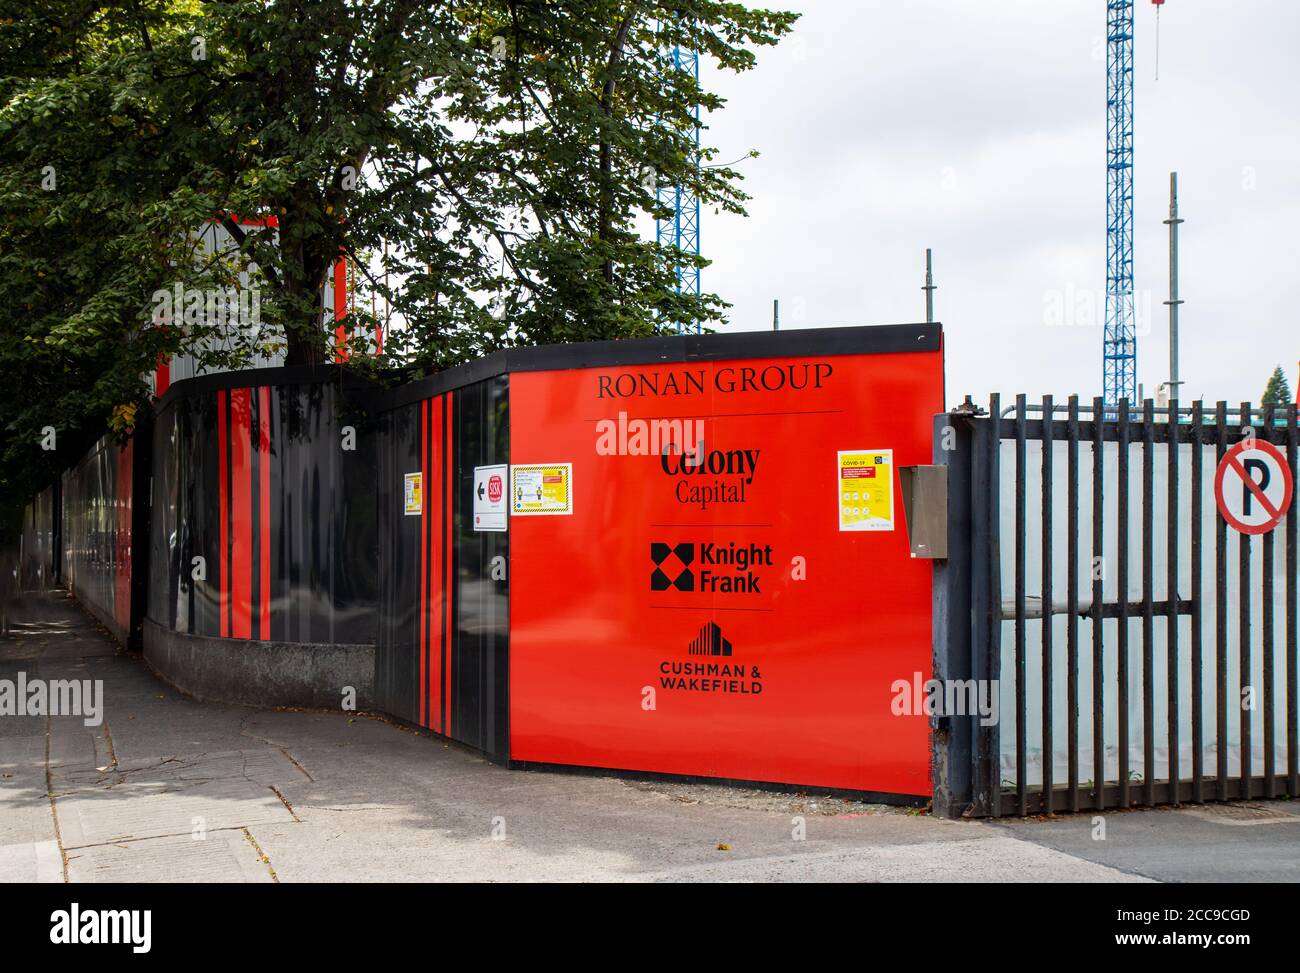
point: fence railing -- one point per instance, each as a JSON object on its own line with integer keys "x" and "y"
{"x": 1144, "y": 652}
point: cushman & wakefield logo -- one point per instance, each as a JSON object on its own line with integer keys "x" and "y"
{"x": 723, "y": 676}
{"x": 710, "y": 641}
{"x": 709, "y": 568}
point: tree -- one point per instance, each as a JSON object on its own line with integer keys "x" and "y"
{"x": 496, "y": 153}
{"x": 1277, "y": 392}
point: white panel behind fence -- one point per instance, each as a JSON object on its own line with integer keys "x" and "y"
{"x": 1033, "y": 627}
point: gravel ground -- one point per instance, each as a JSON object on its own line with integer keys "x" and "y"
{"x": 777, "y": 802}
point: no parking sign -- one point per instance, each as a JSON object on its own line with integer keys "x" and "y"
{"x": 1253, "y": 486}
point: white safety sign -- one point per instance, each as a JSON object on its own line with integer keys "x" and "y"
{"x": 490, "y": 497}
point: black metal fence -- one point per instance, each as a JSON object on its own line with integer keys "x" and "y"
{"x": 1143, "y": 651}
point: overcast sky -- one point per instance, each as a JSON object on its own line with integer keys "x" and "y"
{"x": 978, "y": 129}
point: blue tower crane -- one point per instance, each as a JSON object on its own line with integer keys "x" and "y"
{"x": 1119, "y": 353}
{"x": 683, "y": 230}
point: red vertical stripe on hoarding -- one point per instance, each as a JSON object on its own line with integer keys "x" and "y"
{"x": 241, "y": 509}
{"x": 423, "y": 600}
{"x": 449, "y": 541}
{"x": 432, "y": 528}
{"x": 264, "y": 502}
{"x": 223, "y": 515}
{"x": 162, "y": 379}
{"x": 340, "y": 307}
{"x": 433, "y": 486}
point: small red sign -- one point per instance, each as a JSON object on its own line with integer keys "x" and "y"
{"x": 1252, "y": 486}
{"x": 495, "y": 488}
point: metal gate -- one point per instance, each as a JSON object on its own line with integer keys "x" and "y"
{"x": 1141, "y": 651}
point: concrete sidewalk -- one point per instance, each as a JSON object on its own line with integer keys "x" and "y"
{"x": 169, "y": 789}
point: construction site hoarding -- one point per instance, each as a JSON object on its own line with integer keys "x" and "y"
{"x": 703, "y": 570}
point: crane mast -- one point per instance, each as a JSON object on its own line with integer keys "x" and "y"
{"x": 1119, "y": 355}
{"x": 683, "y": 230}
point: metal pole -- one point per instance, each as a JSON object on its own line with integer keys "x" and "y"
{"x": 1173, "y": 301}
{"x": 776, "y": 315}
{"x": 929, "y": 289}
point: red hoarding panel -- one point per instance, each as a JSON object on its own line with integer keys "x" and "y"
{"x": 241, "y": 510}
{"x": 433, "y": 555}
{"x": 223, "y": 511}
{"x": 740, "y": 611}
{"x": 445, "y": 613}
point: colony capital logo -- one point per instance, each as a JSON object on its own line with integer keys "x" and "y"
{"x": 718, "y": 476}
{"x": 73, "y": 926}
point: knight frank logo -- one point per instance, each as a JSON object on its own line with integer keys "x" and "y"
{"x": 716, "y": 568}
{"x": 672, "y": 566}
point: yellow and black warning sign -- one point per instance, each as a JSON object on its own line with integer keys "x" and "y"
{"x": 413, "y": 493}
{"x": 541, "y": 488}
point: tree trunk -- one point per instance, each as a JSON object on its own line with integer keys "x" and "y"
{"x": 606, "y": 214}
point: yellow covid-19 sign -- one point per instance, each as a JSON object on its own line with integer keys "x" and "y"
{"x": 866, "y": 489}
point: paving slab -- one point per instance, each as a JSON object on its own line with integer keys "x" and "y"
{"x": 1249, "y": 841}
{"x": 221, "y": 856}
{"x": 170, "y": 789}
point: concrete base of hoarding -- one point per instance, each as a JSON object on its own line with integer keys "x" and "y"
{"x": 306, "y": 674}
{"x": 103, "y": 616}
{"x": 847, "y": 794}
{"x": 651, "y": 776}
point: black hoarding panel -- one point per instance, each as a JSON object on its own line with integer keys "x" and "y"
{"x": 480, "y": 669}
{"x": 263, "y": 516}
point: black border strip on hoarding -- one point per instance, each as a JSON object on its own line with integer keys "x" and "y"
{"x": 254, "y": 377}
{"x": 874, "y": 339}
{"x": 675, "y": 349}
